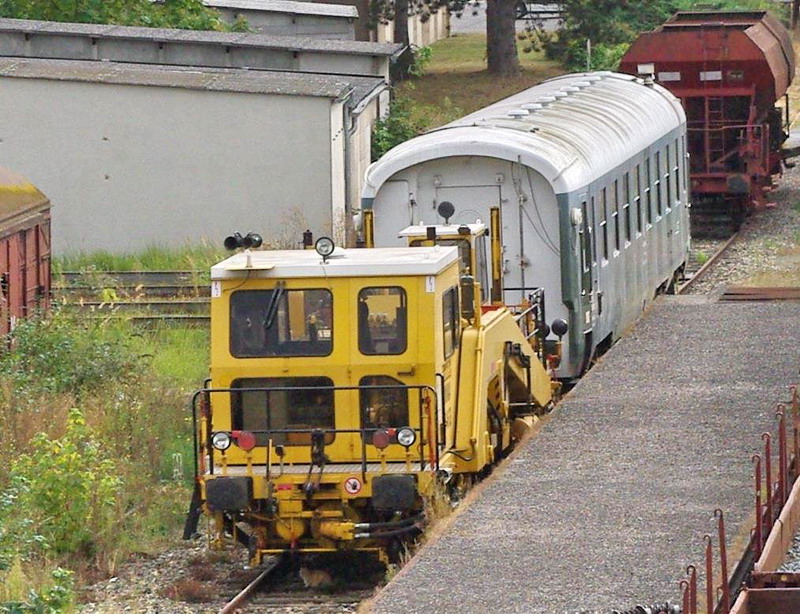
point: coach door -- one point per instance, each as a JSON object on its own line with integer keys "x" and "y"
{"x": 471, "y": 202}
{"x": 586, "y": 243}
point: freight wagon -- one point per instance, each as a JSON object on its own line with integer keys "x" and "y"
{"x": 728, "y": 69}
{"x": 24, "y": 249}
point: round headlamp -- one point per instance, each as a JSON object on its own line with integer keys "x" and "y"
{"x": 221, "y": 440}
{"x": 406, "y": 436}
{"x": 324, "y": 246}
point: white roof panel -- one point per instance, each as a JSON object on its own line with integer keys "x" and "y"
{"x": 374, "y": 262}
{"x": 572, "y": 129}
{"x": 287, "y": 6}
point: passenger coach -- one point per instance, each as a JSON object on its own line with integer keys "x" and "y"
{"x": 589, "y": 173}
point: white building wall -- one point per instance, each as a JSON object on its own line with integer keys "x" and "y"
{"x": 128, "y": 166}
{"x": 420, "y": 34}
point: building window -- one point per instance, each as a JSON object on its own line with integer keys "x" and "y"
{"x": 299, "y": 404}
{"x": 450, "y": 320}
{"x": 382, "y": 320}
{"x": 279, "y": 322}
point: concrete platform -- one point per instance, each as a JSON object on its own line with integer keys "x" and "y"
{"x": 610, "y": 502}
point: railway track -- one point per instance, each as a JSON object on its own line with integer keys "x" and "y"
{"x": 705, "y": 253}
{"x": 144, "y": 297}
{"x": 277, "y": 586}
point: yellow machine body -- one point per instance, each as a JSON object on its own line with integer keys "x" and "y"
{"x": 343, "y": 389}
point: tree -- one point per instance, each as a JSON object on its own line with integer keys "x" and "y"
{"x": 501, "y": 38}
{"x": 187, "y": 14}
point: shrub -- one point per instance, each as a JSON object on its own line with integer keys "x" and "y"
{"x": 397, "y": 127}
{"x": 69, "y": 488}
{"x": 55, "y": 598}
{"x": 57, "y": 354}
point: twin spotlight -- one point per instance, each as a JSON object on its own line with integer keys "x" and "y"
{"x": 236, "y": 241}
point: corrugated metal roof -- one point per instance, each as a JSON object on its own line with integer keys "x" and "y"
{"x": 287, "y": 6}
{"x": 266, "y": 41}
{"x": 572, "y": 129}
{"x": 212, "y": 79}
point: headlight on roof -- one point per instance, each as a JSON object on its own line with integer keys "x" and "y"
{"x": 221, "y": 440}
{"x": 406, "y": 436}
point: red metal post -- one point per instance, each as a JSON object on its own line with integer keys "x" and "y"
{"x": 684, "y": 584}
{"x": 768, "y": 475}
{"x": 692, "y": 571}
{"x": 783, "y": 476}
{"x": 723, "y": 562}
{"x": 759, "y": 508}
{"x": 796, "y": 430}
{"x": 709, "y": 575}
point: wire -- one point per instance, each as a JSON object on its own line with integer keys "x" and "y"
{"x": 544, "y": 237}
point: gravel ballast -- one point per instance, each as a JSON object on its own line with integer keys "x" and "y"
{"x": 606, "y": 507}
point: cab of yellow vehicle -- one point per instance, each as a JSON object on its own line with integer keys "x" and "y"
{"x": 323, "y": 405}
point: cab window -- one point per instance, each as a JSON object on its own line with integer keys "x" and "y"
{"x": 281, "y": 322}
{"x": 301, "y": 403}
{"x": 382, "y": 405}
{"x": 450, "y": 320}
{"x": 382, "y": 320}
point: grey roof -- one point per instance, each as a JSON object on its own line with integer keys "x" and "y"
{"x": 287, "y": 6}
{"x": 268, "y": 41}
{"x": 211, "y": 79}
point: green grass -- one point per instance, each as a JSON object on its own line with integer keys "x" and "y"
{"x": 456, "y": 81}
{"x": 180, "y": 355}
{"x": 191, "y": 256}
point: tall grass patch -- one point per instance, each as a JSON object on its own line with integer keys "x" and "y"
{"x": 195, "y": 256}
{"x": 98, "y": 437}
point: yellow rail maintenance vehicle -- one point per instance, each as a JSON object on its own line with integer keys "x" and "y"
{"x": 345, "y": 385}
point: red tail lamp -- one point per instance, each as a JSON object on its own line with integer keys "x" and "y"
{"x": 381, "y": 439}
{"x": 244, "y": 439}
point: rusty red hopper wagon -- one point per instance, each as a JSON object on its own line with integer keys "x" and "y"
{"x": 729, "y": 69}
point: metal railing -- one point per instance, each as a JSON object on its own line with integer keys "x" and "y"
{"x": 426, "y": 431}
{"x": 771, "y": 492}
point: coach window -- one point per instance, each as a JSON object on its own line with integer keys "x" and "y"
{"x": 615, "y": 212}
{"x": 603, "y": 222}
{"x": 676, "y": 174}
{"x": 382, "y": 320}
{"x": 684, "y": 166}
{"x": 648, "y": 177}
{"x": 281, "y": 322}
{"x": 657, "y": 185}
{"x": 637, "y": 197}
{"x": 450, "y": 320}
{"x": 627, "y": 206}
{"x": 668, "y": 176}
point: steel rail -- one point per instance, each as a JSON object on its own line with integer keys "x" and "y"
{"x": 707, "y": 264}
{"x": 235, "y": 604}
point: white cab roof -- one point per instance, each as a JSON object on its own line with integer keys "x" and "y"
{"x": 441, "y": 229}
{"x": 373, "y": 262}
{"x": 572, "y": 129}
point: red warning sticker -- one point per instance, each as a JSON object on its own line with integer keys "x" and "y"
{"x": 352, "y": 486}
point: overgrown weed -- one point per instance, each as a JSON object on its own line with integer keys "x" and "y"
{"x": 100, "y": 449}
